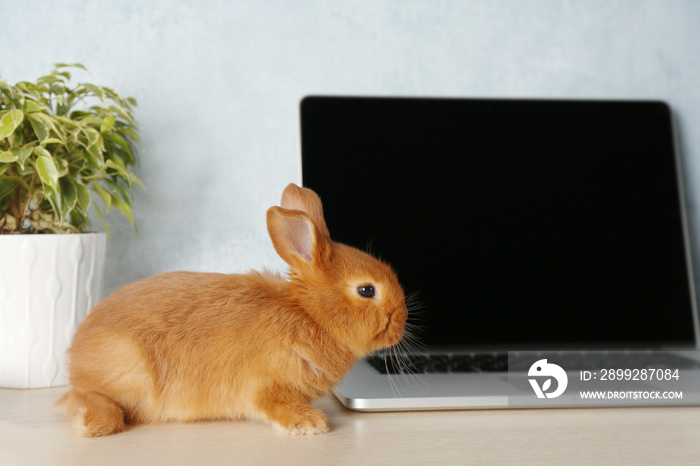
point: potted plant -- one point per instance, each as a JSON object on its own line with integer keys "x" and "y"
{"x": 62, "y": 147}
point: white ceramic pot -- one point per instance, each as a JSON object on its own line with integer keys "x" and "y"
{"x": 48, "y": 283}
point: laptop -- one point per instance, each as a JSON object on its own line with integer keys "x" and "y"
{"x": 514, "y": 226}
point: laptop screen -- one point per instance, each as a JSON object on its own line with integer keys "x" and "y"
{"x": 513, "y": 222}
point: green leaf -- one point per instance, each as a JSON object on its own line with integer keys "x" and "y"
{"x": 70, "y": 65}
{"x": 47, "y": 80}
{"x": 69, "y": 196}
{"x": 96, "y": 90}
{"x": 40, "y": 129}
{"x": 62, "y": 109}
{"x": 67, "y": 122}
{"x": 78, "y": 219}
{"x": 24, "y": 152}
{"x": 9, "y": 183}
{"x": 28, "y": 88}
{"x": 58, "y": 89}
{"x": 99, "y": 214}
{"x": 10, "y": 122}
{"x": 65, "y": 74}
{"x": 120, "y": 141}
{"x": 51, "y": 123}
{"x": 130, "y": 133}
{"x": 136, "y": 178}
{"x": 91, "y": 119}
{"x": 47, "y": 170}
{"x": 107, "y": 124}
{"x": 32, "y": 107}
{"x": 106, "y": 197}
{"x": 90, "y": 159}
{"x": 51, "y": 141}
{"x": 92, "y": 135}
{"x": 118, "y": 166}
{"x": 119, "y": 189}
{"x": 94, "y": 157}
{"x": 62, "y": 166}
{"x": 8, "y": 157}
{"x": 126, "y": 115}
{"x": 78, "y": 115}
{"x": 55, "y": 200}
{"x": 42, "y": 152}
{"x": 125, "y": 209}
{"x": 83, "y": 195}
{"x": 5, "y": 87}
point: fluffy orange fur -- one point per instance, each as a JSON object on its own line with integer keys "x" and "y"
{"x": 186, "y": 346}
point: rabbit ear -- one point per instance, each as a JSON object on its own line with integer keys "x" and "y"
{"x": 296, "y": 238}
{"x": 296, "y": 198}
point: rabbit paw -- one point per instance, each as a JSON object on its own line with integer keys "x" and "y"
{"x": 311, "y": 421}
{"x": 294, "y": 418}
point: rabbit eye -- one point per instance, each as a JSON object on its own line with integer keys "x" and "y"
{"x": 366, "y": 291}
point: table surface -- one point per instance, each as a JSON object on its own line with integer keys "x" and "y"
{"x": 33, "y": 431}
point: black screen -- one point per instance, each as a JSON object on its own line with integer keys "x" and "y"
{"x": 515, "y": 222}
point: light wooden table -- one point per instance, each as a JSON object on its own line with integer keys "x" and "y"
{"x": 33, "y": 432}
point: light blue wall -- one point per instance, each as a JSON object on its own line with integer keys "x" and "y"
{"x": 219, "y": 83}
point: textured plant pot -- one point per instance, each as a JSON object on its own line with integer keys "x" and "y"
{"x": 48, "y": 283}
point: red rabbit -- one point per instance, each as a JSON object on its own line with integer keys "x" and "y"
{"x": 186, "y": 346}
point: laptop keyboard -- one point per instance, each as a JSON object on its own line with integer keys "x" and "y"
{"x": 498, "y": 362}
{"x": 420, "y": 364}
